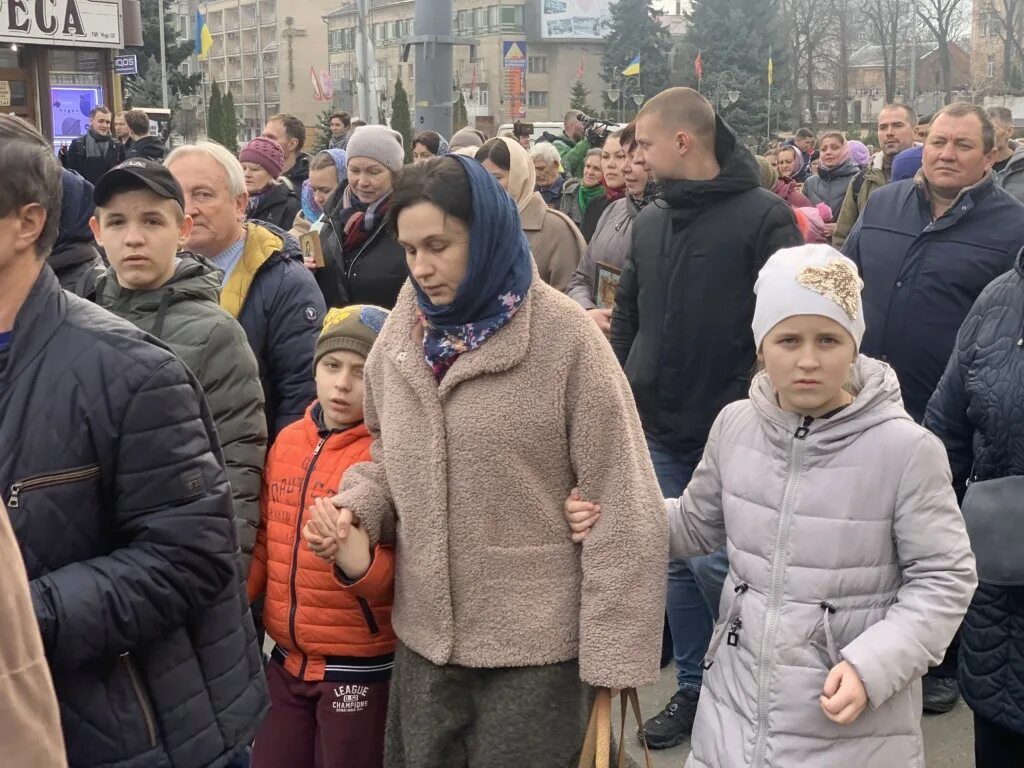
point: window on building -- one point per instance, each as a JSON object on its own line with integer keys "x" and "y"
{"x": 511, "y": 18}
{"x": 537, "y": 65}
{"x": 479, "y": 19}
{"x": 990, "y": 67}
{"x": 483, "y": 96}
{"x": 493, "y": 18}
{"x": 462, "y": 21}
{"x": 537, "y": 99}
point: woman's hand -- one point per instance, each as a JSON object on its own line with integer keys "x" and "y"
{"x": 603, "y": 318}
{"x": 844, "y": 697}
{"x": 321, "y": 546}
{"x": 353, "y": 555}
{"x": 581, "y": 515}
{"x": 321, "y": 531}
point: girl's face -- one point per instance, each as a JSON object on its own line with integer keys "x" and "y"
{"x": 370, "y": 181}
{"x": 436, "y": 250}
{"x": 256, "y": 178}
{"x": 500, "y": 174}
{"x": 808, "y": 359}
{"x": 787, "y": 163}
{"x": 592, "y": 172}
{"x": 323, "y": 182}
{"x": 635, "y": 175}
{"x": 773, "y": 160}
{"x": 420, "y": 154}
{"x": 612, "y": 159}
{"x": 831, "y": 151}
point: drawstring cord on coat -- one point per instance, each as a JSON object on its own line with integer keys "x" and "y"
{"x": 732, "y": 623}
{"x": 830, "y": 643}
{"x": 161, "y": 312}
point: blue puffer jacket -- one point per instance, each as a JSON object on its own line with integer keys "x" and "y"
{"x": 978, "y": 412}
{"x": 921, "y": 277}
{"x": 279, "y": 306}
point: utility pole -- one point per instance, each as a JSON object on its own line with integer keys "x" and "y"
{"x": 163, "y": 54}
{"x": 434, "y": 39}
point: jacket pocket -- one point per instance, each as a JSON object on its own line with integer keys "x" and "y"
{"x": 844, "y": 619}
{"x": 49, "y": 480}
{"x": 140, "y": 695}
{"x": 371, "y": 622}
{"x": 729, "y": 628}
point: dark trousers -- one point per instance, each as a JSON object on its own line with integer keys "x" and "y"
{"x": 321, "y": 725}
{"x": 997, "y": 747}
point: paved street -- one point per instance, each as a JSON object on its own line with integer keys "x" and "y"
{"x": 948, "y": 738}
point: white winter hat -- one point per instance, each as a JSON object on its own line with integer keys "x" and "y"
{"x": 808, "y": 280}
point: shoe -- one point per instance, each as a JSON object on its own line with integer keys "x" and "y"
{"x": 940, "y": 694}
{"x": 674, "y": 724}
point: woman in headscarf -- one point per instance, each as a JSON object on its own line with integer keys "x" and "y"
{"x": 859, "y": 153}
{"x": 610, "y": 244}
{"x": 488, "y": 395}
{"x": 791, "y": 160}
{"x": 810, "y": 219}
{"x": 579, "y": 194}
{"x": 326, "y": 174}
{"x": 556, "y": 242}
{"x": 428, "y": 144}
{"x": 835, "y": 173}
{"x": 271, "y": 200}
{"x": 613, "y": 158}
{"x": 364, "y": 264}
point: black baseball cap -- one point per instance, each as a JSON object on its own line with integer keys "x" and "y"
{"x": 153, "y": 175}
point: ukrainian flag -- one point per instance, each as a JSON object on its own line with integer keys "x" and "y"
{"x": 204, "y": 40}
{"x": 633, "y": 68}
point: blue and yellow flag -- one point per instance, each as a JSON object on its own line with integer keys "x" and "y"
{"x": 204, "y": 40}
{"x": 633, "y": 68}
{"x": 771, "y": 67}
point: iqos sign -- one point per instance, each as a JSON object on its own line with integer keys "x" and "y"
{"x": 83, "y": 22}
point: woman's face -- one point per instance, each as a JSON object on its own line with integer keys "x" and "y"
{"x": 808, "y": 358}
{"x": 592, "y": 174}
{"x": 773, "y": 160}
{"x": 499, "y": 173}
{"x": 547, "y": 173}
{"x": 612, "y": 159}
{"x": 831, "y": 151}
{"x": 635, "y": 176}
{"x": 420, "y": 153}
{"x": 256, "y": 178}
{"x": 323, "y": 182}
{"x": 436, "y": 250}
{"x": 370, "y": 181}
{"x": 787, "y": 163}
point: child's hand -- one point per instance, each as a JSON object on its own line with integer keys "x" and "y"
{"x": 321, "y": 546}
{"x": 581, "y": 515}
{"x": 844, "y": 697}
{"x": 320, "y": 532}
{"x": 353, "y": 555}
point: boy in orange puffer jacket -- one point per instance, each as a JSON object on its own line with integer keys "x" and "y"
{"x": 330, "y": 669}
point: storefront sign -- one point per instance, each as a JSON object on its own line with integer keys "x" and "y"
{"x": 126, "y": 65}
{"x": 81, "y": 22}
{"x": 5, "y": 93}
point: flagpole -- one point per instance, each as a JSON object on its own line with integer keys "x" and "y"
{"x": 771, "y": 73}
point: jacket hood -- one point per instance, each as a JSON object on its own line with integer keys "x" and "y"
{"x": 150, "y": 147}
{"x": 195, "y": 279}
{"x": 877, "y": 399}
{"x": 739, "y": 173}
{"x": 76, "y": 208}
{"x": 522, "y": 176}
{"x": 846, "y": 168}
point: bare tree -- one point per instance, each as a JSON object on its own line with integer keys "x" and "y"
{"x": 889, "y": 21}
{"x": 1009, "y": 15}
{"x": 843, "y": 35}
{"x": 808, "y": 30}
{"x": 945, "y": 20}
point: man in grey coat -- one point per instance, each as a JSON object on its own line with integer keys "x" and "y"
{"x": 1008, "y": 167}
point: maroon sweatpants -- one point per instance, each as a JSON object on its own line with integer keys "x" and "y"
{"x": 321, "y": 725}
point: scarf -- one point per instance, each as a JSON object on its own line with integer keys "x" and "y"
{"x": 843, "y": 157}
{"x": 611, "y": 195}
{"x": 255, "y": 200}
{"x": 497, "y": 280}
{"x": 361, "y": 220}
{"x": 586, "y": 195}
{"x": 553, "y": 194}
{"x": 96, "y": 145}
{"x": 651, "y": 192}
{"x": 310, "y": 209}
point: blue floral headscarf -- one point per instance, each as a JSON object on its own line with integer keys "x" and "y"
{"x": 497, "y": 280}
{"x": 310, "y": 210}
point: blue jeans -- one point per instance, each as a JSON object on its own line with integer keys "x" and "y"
{"x": 694, "y": 584}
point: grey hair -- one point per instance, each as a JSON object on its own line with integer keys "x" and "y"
{"x": 546, "y": 152}
{"x": 214, "y": 151}
{"x": 595, "y": 152}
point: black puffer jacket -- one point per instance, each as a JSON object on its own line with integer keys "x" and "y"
{"x": 113, "y": 479}
{"x": 681, "y": 326}
{"x": 978, "y": 412}
{"x": 278, "y": 205}
{"x": 75, "y": 257}
{"x": 149, "y": 147}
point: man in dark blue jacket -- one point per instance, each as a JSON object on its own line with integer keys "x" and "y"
{"x": 112, "y": 475}
{"x": 267, "y": 288}
{"x": 926, "y": 248}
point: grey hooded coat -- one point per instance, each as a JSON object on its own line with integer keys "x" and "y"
{"x": 845, "y": 542}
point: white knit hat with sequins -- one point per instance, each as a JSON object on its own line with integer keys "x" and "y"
{"x": 808, "y": 280}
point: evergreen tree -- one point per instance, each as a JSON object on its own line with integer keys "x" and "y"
{"x": 229, "y": 131}
{"x": 461, "y": 117}
{"x": 578, "y": 98}
{"x": 401, "y": 119}
{"x": 733, "y": 37}
{"x": 178, "y": 50}
{"x": 323, "y": 130}
{"x": 635, "y": 29}
{"x": 215, "y": 114}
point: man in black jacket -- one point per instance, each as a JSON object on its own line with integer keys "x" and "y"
{"x": 681, "y": 329}
{"x": 143, "y": 144}
{"x": 96, "y": 152}
{"x": 115, "y": 486}
{"x": 290, "y": 134}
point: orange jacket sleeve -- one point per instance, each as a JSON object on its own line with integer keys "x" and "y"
{"x": 379, "y": 582}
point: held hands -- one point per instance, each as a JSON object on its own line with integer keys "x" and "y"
{"x": 844, "y": 697}
{"x": 334, "y": 534}
{"x": 581, "y": 515}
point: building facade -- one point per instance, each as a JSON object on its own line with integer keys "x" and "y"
{"x": 996, "y": 65}
{"x": 57, "y": 60}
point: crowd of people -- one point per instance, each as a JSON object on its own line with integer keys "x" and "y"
{"x": 461, "y": 442}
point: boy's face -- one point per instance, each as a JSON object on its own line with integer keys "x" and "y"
{"x": 339, "y": 388}
{"x": 142, "y": 234}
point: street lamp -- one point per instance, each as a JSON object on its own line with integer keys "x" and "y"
{"x": 625, "y": 87}
{"x": 724, "y": 95}
{"x": 263, "y": 82}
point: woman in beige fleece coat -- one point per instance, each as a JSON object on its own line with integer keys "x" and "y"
{"x": 849, "y": 564}
{"x": 490, "y": 395}
{"x": 556, "y": 242}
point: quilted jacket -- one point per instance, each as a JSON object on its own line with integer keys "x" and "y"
{"x": 978, "y": 412}
{"x": 113, "y": 480}
{"x": 845, "y": 543}
{"x": 324, "y": 630}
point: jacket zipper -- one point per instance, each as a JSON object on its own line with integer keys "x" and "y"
{"x": 361, "y": 251}
{"x": 48, "y": 481}
{"x": 774, "y": 605}
{"x": 295, "y": 555}
{"x": 143, "y": 703}
{"x": 371, "y": 623}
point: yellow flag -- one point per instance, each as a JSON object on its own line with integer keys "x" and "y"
{"x": 771, "y": 70}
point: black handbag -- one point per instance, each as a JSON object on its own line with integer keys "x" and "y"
{"x": 994, "y": 513}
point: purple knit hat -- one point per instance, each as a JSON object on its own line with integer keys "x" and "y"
{"x": 265, "y": 153}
